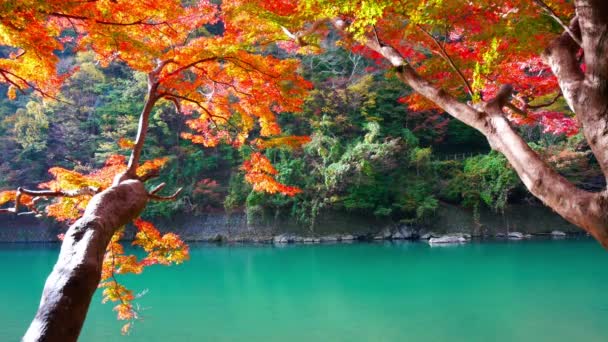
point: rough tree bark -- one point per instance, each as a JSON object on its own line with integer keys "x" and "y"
{"x": 586, "y": 92}
{"x": 70, "y": 286}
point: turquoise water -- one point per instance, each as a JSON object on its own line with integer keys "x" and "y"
{"x": 491, "y": 291}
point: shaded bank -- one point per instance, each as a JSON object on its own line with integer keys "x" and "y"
{"x": 234, "y": 227}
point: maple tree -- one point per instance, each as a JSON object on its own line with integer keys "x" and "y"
{"x": 492, "y": 65}
{"x": 197, "y": 56}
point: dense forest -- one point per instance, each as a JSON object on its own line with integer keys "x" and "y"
{"x": 368, "y": 152}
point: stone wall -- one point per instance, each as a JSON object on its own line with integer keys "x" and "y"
{"x": 222, "y": 226}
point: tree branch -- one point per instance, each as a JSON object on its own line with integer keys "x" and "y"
{"x": 105, "y": 22}
{"x": 155, "y": 197}
{"x": 157, "y": 188}
{"x": 546, "y": 104}
{"x": 550, "y": 12}
{"x": 443, "y": 53}
{"x": 144, "y": 119}
{"x": 89, "y": 190}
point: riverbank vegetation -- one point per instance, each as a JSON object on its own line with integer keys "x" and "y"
{"x": 368, "y": 152}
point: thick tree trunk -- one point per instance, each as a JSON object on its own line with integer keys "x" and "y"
{"x": 70, "y": 286}
{"x": 584, "y": 209}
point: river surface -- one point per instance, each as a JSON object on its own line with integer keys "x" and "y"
{"x": 491, "y": 291}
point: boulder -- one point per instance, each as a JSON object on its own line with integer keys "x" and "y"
{"x": 385, "y": 234}
{"x": 447, "y": 239}
{"x": 329, "y": 238}
{"x": 347, "y": 237}
{"x": 429, "y": 235}
{"x": 406, "y": 232}
{"x": 219, "y": 238}
{"x": 397, "y": 236}
{"x": 283, "y": 238}
{"x": 464, "y": 235}
{"x": 515, "y": 236}
{"x": 308, "y": 240}
{"x": 558, "y": 233}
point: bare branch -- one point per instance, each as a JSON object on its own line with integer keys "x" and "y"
{"x": 5, "y": 74}
{"x": 105, "y": 22}
{"x": 157, "y": 188}
{"x": 150, "y": 175}
{"x": 155, "y": 197}
{"x": 144, "y": 119}
{"x": 190, "y": 65}
{"x": 546, "y": 104}
{"x": 89, "y": 190}
{"x": 174, "y": 97}
{"x": 550, "y": 12}
{"x": 299, "y": 35}
{"x": 443, "y": 53}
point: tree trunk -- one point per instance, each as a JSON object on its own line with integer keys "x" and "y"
{"x": 70, "y": 286}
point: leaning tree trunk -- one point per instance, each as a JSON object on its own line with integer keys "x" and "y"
{"x": 70, "y": 286}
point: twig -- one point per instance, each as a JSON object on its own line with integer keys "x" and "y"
{"x": 547, "y": 104}
{"x": 157, "y": 188}
{"x": 550, "y": 12}
{"x": 443, "y": 53}
{"x": 155, "y": 197}
{"x": 89, "y": 190}
{"x": 144, "y": 119}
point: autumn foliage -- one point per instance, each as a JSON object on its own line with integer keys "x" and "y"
{"x": 210, "y": 61}
{"x": 230, "y": 90}
{"x": 167, "y": 249}
{"x": 467, "y": 48}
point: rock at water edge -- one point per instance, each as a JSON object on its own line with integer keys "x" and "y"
{"x": 515, "y": 236}
{"x": 447, "y": 239}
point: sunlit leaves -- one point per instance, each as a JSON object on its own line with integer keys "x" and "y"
{"x": 68, "y": 208}
{"x": 260, "y": 173}
{"x": 7, "y": 196}
{"x": 458, "y": 44}
{"x": 10, "y": 196}
{"x": 164, "y": 249}
{"x": 288, "y": 142}
{"x": 125, "y": 143}
{"x": 551, "y": 121}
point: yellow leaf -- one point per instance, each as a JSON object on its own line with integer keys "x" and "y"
{"x": 12, "y": 92}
